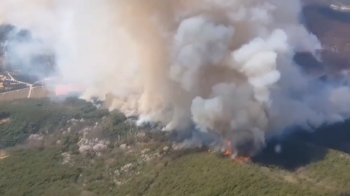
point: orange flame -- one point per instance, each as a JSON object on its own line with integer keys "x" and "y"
{"x": 236, "y": 159}
{"x": 229, "y": 150}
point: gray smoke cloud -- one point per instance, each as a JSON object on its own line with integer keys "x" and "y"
{"x": 224, "y": 67}
{"x": 22, "y": 52}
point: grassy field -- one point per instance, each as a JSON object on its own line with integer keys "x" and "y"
{"x": 40, "y": 92}
{"x": 17, "y": 94}
{"x": 37, "y": 92}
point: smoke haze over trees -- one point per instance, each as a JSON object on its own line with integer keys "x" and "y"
{"x": 140, "y": 161}
{"x": 172, "y": 85}
{"x": 224, "y": 68}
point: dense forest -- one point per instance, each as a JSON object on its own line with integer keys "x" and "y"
{"x": 29, "y": 116}
{"x": 47, "y": 153}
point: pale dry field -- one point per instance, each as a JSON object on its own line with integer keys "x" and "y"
{"x": 37, "y": 92}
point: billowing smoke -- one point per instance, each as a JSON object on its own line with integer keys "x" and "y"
{"x": 222, "y": 67}
{"x": 22, "y": 52}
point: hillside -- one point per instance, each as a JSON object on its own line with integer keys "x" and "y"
{"x": 70, "y": 147}
{"x": 333, "y": 30}
{"x": 189, "y": 174}
{"x": 91, "y": 152}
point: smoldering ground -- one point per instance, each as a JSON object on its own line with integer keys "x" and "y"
{"x": 223, "y": 68}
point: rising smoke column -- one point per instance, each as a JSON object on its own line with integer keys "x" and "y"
{"x": 224, "y": 68}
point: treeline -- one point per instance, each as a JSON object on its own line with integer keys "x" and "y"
{"x": 32, "y": 116}
{"x": 203, "y": 174}
{"x": 307, "y": 170}
{"x": 37, "y": 173}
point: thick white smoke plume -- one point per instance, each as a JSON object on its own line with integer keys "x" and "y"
{"x": 225, "y": 66}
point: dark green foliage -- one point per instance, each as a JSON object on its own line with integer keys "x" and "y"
{"x": 4, "y": 114}
{"x": 34, "y": 173}
{"x": 116, "y": 127}
{"x": 32, "y": 116}
{"x": 40, "y": 173}
{"x": 205, "y": 174}
{"x": 301, "y": 168}
{"x": 70, "y": 143}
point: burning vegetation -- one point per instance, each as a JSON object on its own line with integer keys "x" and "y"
{"x": 233, "y": 155}
{"x": 193, "y": 63}
{"x": 224, "y": 80}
